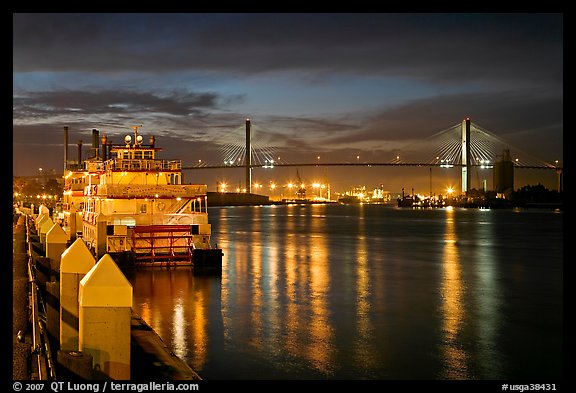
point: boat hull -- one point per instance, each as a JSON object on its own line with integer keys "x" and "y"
{"x": 201, "y": 260}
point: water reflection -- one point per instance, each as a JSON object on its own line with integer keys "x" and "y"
{"x": 453, "y": 311}
{"x": 185, "y": 328}
{"x": 320, "y": 349}
{"x": 365, "y": 353}
{"x": 314, "y": 292}
{"x": 488, "y": 298}
{"x": 281, "y": 285}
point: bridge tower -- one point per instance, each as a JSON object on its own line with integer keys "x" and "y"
{"x": 248, "y": 158}
{"x": 465, "y": 155}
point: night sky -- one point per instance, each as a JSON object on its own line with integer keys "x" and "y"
{"x": 330, "y": 85}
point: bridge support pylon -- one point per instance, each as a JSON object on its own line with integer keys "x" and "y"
{"x": 248, "y": 157}
{"x": 465, "y": 155}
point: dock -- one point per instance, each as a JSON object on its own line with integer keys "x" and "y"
{"x": 37, "y": 350}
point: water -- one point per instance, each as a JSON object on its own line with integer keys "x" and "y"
{"x": 368, "y": 292}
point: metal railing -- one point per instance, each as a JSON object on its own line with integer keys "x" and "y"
{"x": 41, "y": 353}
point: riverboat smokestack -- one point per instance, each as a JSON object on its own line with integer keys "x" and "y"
{"x": 152, "y": 140}
{"x": 104, "y": 152}
{"x": 95, "y": 142}
{"x": 79, "y": 153}
{"x": 65, "y": 148}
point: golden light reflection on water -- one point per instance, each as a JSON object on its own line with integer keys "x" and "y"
{"x": 308, "y": 331}
{"x": 453, "y": 311}
{"x": 320, "y": 349}
{"x": 179, "y": 337}
{"x": 255, "y": 268}
{"x": 185, "y": 328}
{"x": 199, "y": 328}
{"x": 364, "y": 350}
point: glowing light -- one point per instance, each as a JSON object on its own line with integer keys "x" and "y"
{"x": 450, "y": 190}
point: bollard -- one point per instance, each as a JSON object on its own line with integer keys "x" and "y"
{"x": 76, "y": 261}
{"x": 38, "y": 219}
{"x": 56, "y": 240}
{"x": 42, "y": 209}
{"x": 105, "y": 302}
{"x": 45, "y": 225}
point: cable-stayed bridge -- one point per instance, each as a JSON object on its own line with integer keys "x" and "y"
{"x": 464, "y": 145}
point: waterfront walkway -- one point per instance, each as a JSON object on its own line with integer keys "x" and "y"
{"x": 36, "y": 343}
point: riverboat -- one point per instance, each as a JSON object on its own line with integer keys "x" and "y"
{"x": 126, "y": 202}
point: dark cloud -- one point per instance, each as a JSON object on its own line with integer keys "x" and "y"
{"x": 446, "y": 47}
{"x": 65, "y": 102}
{"x": 502, "y": 114}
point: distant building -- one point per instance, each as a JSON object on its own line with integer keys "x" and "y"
{"x": 504, "y": 174}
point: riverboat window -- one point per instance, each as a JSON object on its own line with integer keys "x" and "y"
{"x": 143, "y": 208}
{"x": 148, "y": 154}
{"x": 138, "y": 155}
{"x": 174, "y": 178}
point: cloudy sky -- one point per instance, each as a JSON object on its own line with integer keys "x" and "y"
{"x": 336, "y": 86}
